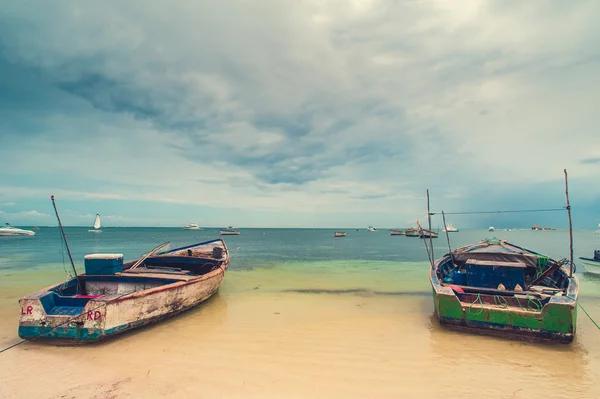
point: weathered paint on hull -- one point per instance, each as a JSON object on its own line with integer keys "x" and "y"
{"x": 556, "y": 321}
{"x": 123, "y": 314}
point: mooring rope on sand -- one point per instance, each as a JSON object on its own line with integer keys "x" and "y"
{"x": 588, "y": 315}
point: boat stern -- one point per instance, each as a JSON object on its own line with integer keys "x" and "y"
{"x": 49, "y": 316}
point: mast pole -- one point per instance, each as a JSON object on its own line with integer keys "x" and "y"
{"x": 66, "y": 243}
{"x": 430, "y": 232}
{"x": 570, "y": 224}
{"x": 448, "y": 238}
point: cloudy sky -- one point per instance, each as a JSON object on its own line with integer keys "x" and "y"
{"x": 298, "y": 113}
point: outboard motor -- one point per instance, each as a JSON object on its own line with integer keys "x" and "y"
{"x": 217, "y": 252}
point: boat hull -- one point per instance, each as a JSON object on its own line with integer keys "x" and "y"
{"x": 591, "y": 265}
{"x": 101, "y": 319}
{"x": 555, "y": 322}
{"x": 18, "y": 233}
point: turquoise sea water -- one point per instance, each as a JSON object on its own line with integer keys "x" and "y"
{"x": 296, "y": 258}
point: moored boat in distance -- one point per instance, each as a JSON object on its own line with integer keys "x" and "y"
{"x": 229, "y": 231}
{"x": 538, "y": 228}
{"x": 412, "y": 232}
{"x": 491, "y": 228}
{"x": 371, "y": 228}
{"x": 96, "y": 226}
{"x": 112, "y": 297}
{"x": 592, "y": 265}
{"x": 10, "y": 231}
{"x": 494, "y": 287}
{"x": 339, "y": 234}
{"x": 191, "y": 226}
{"x": 427, "y": 234}
{"x": 397, "y": 232}
{"x": 449, "y": 228}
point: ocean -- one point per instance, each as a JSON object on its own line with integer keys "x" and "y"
{"x": 299, "y": 314}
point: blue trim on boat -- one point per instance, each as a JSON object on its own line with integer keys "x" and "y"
{"x": 195, "y": 245}
{"x": 60, "y": 333}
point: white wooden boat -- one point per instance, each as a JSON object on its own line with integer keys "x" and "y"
{"x": 112, "y": 297}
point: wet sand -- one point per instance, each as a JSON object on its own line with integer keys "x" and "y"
{"x": 285, "y": 341}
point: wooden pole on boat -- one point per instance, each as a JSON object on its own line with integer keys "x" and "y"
{"x": 448, "y": 239}
{"x": 425, "y": 242}
{"x": 430, "y": 232}
{"x": 570, "y": 224}
{"x": 143, "y": 258}
{"x": 66, "y": 244}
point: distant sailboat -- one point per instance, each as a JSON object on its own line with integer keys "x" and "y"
{"x": 96, "y": 228}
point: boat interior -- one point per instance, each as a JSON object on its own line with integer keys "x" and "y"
{"x": 503, "y": 277}
{"x": 186, "y": 261}
{"x": 68, "y": 299}
{"x": 109, "y": 279}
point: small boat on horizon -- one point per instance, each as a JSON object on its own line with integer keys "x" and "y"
{"x": 427, "y": 234}
{"x": 497, "y": 288}
{"x": 491, "y": 228}
{"x": 191, "y": 226}
{"x": 339, "y": 234}
{"x": 412, "y": 232}
{"x": 397, "y": 232}
{"x": 96, "y": 226}
{"x": 592, "y": 265}
{"x": 371, "y": 228}
{"x": 229, "y": 231}
{"x": 449, "y": 228}
{"x": 539, "y": 228}
{"x": 10, "y": 231}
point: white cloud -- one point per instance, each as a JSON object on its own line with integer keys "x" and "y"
{"x": 307, "y": 107}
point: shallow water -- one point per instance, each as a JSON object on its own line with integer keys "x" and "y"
{"x": 299, "y": 314}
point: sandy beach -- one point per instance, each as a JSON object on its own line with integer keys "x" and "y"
{"x": 248, "y": 342}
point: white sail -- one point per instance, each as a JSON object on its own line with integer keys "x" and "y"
{"x": 97, "y": 222}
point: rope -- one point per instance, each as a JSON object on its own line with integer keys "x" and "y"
{"x": 480, "y": 309}
{"x": 12, "y": 346}
{"x": 500, "y": 301}
{"x": 590, "y": 317}
{"x": 542, "y": 261}
{"x": 538, "y": 304}
{"x": 513, "y": 211}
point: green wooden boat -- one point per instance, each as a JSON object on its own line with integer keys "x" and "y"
{"x": 494, "y": 287}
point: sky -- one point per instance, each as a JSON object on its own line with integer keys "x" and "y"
{"x": 317, "y": 113}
